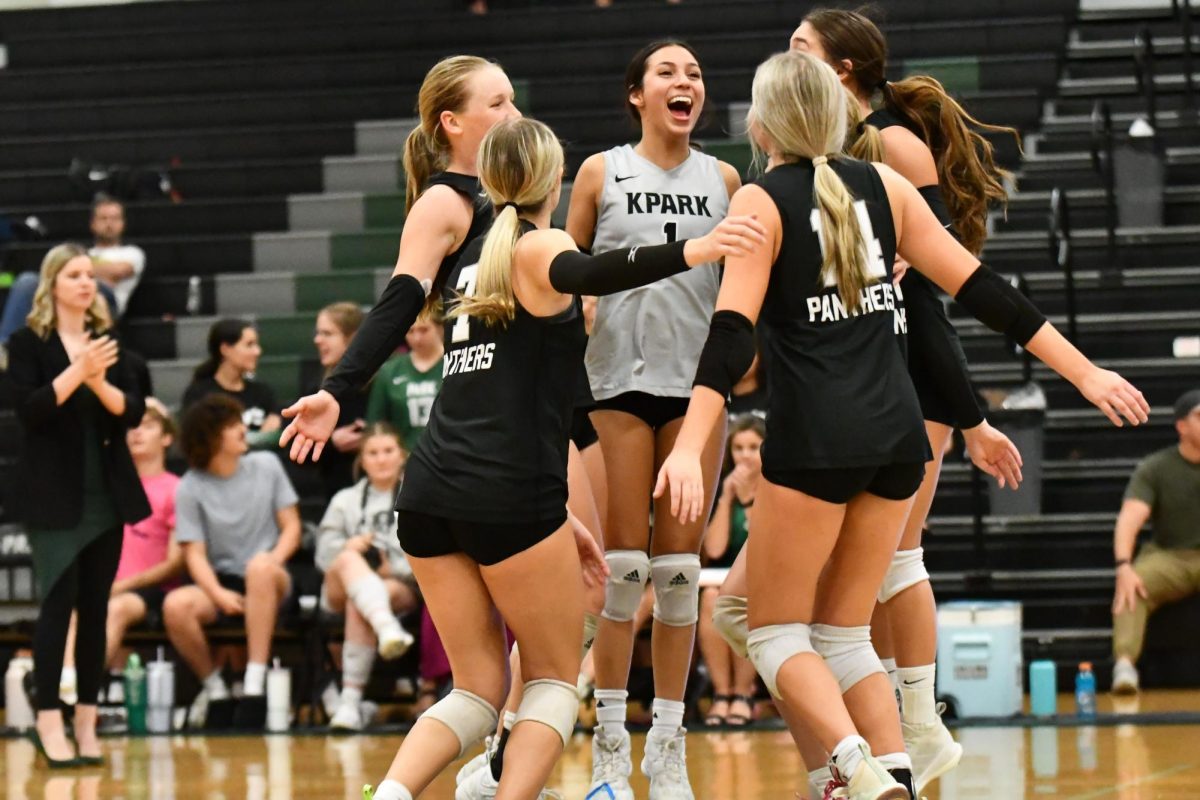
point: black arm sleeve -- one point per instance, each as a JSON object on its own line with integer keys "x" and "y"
{"x": 996, "y": 303}
{"x": 572, "y": 272}
{"x": 728, "y": 352}
{"x": 380, "y": 334}
{"x": 936, "y": 353}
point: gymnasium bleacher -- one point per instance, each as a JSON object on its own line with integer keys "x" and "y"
{"x": 280, "y": 123}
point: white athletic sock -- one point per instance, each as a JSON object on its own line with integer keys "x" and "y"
{"x": 848, "y": 755}
{"x": 357, "y": 660}
{"x": 69, "y": 678}
{"x": 590, "y": 623}
{"x": 510, "y": 719}
{"x": 668, "y": 717}
{"x": 215, "y": 686}
{"x": 891, "y": 761}
{"x": 611, "y": 705}
{"x": 351, "y": 696}
{"x": 370, "y": 596}
{"x": 918, "y": 685}
{"x": 391, "y": 790}
{"x": 255, "y": 682}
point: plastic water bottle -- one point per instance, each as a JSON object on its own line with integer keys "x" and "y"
{"x": 1085, "y": 690}
{"x": 160, "y": 695}
{"x": 1043, "y": 688}
{"x": 18, "y": 713}
{"x": 279, "y": 698}
{"x": 135, "y": 694}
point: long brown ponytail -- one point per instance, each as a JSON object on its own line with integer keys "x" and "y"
{"x": 969, "y": 178}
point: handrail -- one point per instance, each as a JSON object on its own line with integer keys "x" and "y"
{"x": 1143, "y": 61}
{"x": 1060, "y": 254}
{"x": 1103, "y": 164}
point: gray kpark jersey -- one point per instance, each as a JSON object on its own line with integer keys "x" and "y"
{"x": 649, "y": 339}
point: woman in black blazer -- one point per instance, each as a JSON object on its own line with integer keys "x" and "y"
{"x": 75, "y": 400}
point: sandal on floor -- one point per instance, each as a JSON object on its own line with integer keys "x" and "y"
{"x": 740, "y": 720}
{"x": 716, "y": 720}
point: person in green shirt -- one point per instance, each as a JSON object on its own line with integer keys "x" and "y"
{"x": 1165, "y": 490}
{"x": 402, "y": 393}
{"x": 732, "y": 676}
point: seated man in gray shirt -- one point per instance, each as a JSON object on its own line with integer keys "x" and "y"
{"x": 238, "y": 523}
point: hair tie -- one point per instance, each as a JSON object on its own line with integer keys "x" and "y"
{"x": 820, "y": 161}
{"x": 514, "y": 206}
{"x": 860, "y": 128}
{"x": 882, "y": 85}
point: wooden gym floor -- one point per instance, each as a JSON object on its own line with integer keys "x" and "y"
{"x": 1124, "y": 761}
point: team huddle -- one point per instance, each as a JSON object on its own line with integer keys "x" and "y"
{"x": 524, "y": 504}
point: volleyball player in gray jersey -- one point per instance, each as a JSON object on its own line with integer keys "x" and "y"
{"x": 641, "y": 362}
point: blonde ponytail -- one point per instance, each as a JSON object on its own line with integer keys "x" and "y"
{"x": 427, "y": 150}
{"x": 799, "y": 105}
{"x": 863, "y": 140}
{"x": 520, "y": 166}
{"x": 844, "y": 250}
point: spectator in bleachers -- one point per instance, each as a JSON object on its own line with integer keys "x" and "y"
{"x": 733, "y": 678}
{"x": 236, "y": 517}
{"x": 405, "y": 387}
{"x": 336, "y": 325}
{"x": 1164, "y": 490}
{"x": 233, "y": 353}
{"x": 151, "y": 559}
{"x": 367, "y": 575}
{"x": 118, "y": 268}
{"x": 74, "y": 398}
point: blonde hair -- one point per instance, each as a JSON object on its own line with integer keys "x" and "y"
{"x": 863, "y": 140}
{"x": 426, "y": 149}
{"x": 799, "y": 104}
{"x": 43, "y": 315}
{"x": 520, "y": 164}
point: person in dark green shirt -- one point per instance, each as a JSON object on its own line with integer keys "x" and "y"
{"x": 403, "y": 392}
{"x": 732, "y": 676}
{"x": 1165, "y": 490}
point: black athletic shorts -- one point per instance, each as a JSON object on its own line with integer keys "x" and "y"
{"x": 651, "y": 409}
{"x": 427, "y": 536}
{"x": 839, "y": 485}
{"x": 153, "y": 597}
{"x": 583, "y": 432}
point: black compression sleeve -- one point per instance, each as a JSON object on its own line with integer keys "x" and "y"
{"x": 379, "y": 335}
{"x": 996, "y": 303}
{"x": 933, "y": 198}
{"x": 572, "y": 272}
{"x": 728, "y": 352}
{"x": 933, "y": 342}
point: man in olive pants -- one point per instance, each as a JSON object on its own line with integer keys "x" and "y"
{"x": 1165, "y": 489}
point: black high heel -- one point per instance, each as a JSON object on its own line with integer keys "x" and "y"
{"x": 53, "y": 763}
{"x": 87, "y": 761}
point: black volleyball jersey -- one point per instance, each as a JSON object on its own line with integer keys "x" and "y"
{"x": 840, "y": 392}
{"x": 495, "y": 449}
{"x": 481, "y": 219}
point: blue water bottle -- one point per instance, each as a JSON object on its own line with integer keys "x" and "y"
{"x": 1085, "y": 690}
{"x": 1043, "y": 688}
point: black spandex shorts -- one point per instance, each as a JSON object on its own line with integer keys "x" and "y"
{"x": 651, "y": 409}
{"x": 583, "y": 432}
{"x": 427, "y": 536}
{"x": 840, "y": 485}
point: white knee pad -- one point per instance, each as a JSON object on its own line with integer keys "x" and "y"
{"x": 729, "y": 618}
{"x": 676, "y": 579}
{"x": 771, "y": 646}
{"x": 553, "y": 703}
{"x": 907, "y": 569}
{"x": 467, "y": 715}
{"x": 629, "y": 571}
{"x": 847, "y": 652}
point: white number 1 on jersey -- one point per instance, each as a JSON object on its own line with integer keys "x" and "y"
{"x": 875, "y": 266}
{"x": 466, "y": 287}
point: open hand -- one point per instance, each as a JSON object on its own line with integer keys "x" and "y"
{"x": 995, "y": 454}
{"x": 682, "y": 474}
{"x": 313, "y": 419}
